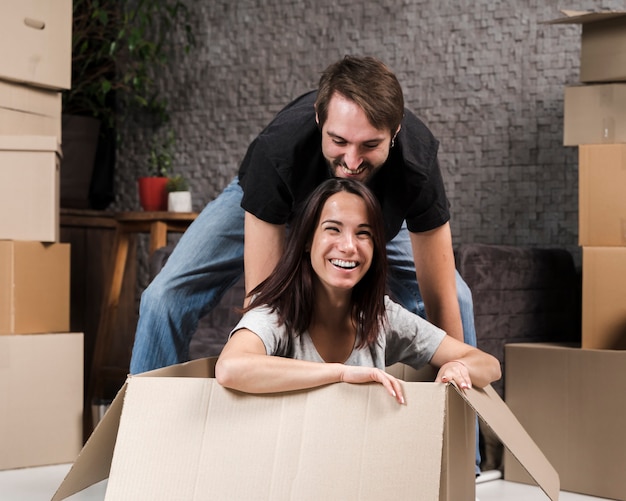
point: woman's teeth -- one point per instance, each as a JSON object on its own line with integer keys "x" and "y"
{"x": 343, "y": 264}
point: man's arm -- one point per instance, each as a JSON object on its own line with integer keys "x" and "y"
{"x": 435, "y": 269}
{"x": 263, "y": 247}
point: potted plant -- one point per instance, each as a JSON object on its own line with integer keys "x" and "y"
{"x": 118, "y": 48}
{"x": 153, "y": 187}
{"x": 178, "y": 194}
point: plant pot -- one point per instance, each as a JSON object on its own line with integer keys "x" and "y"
{"x": 80, "y": 142}
{"x": 152, "y": 193}
{"x": 179, "y": 201}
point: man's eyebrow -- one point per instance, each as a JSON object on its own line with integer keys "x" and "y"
{"x": 338, "y": 137}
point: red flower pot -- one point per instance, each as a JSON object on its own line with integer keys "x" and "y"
{"x": 152, "y": 193}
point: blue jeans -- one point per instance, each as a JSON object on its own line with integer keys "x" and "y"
{"x": 208, "y": 260}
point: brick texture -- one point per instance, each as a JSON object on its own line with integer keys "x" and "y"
{"x": 487, "y": 77}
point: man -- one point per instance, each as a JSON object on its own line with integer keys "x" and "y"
{"x": 355, "y": 126}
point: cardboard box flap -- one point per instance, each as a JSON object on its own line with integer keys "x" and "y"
{"x": 332, "y": 442}
{"x": 584, "y": 17}
{"x": 492, "y": 410}
{"x": 93, "y": 464}
{"x": 30, "y": 143}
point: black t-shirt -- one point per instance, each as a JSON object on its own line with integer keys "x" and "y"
{"x": 284, "y": 164}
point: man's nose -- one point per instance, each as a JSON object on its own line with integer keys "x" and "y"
{"x": 352, "y": 158}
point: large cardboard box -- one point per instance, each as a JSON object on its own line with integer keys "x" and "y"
{"x": 36, "y": 42}
{"x": 604, "y": 298}
{"x": 34, "y": 287}
{"x": 602, "y": 195}
{"x": 603, "y": 44}
{"x": 175, "y": 433}
{"x": 29, "y": 110}
{"x": 29, "y": 191}
{"x": 572, "y": 402}
{"x": 594, "y": 114}
{"x": 41, "y": 390}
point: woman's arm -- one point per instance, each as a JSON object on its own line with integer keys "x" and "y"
{"x": 464, "y": 364}
{"x": 243, "y": 365}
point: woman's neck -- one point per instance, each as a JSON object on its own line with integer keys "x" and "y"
{"x": 332, "y": 329}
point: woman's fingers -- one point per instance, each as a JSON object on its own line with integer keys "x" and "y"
{"x": 456, "y": 372}
{"x": 356, "y": 374}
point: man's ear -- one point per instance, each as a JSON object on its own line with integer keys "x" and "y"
{"x": 397, "y": 130}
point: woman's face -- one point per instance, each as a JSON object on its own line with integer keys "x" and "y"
{"x": 342, "y": 245}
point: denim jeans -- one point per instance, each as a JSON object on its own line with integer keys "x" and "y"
{"x": 208, "y": 260}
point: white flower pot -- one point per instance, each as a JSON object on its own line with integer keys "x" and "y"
{"x": 179, "y": 201}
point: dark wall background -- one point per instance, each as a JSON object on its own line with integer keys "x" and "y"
{"x": 486, "y": 76}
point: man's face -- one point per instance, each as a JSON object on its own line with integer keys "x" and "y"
{"x": 351, "y": 145}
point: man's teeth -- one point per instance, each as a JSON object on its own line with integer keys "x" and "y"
{"x": 353, "y": 172}
{"x": 343, "y": 264}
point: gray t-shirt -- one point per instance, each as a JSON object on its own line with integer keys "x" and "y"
{"x": 406, "y": 338}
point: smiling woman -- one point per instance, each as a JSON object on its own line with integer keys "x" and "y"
{"x": 323, "y": 317}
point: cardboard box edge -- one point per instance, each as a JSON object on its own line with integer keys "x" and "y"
{"x": 508, "y": 426}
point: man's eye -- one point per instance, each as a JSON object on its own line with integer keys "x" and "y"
{"x": 339, "y": 142}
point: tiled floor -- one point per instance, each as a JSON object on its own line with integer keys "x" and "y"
{"x": 40, "y": 484}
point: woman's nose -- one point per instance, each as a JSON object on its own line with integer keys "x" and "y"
{"x": 347, "y": 243}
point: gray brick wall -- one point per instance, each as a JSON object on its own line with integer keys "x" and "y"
{"x": 485, "y": 76}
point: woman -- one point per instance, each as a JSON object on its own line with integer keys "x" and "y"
{"x": 322, "y": 317}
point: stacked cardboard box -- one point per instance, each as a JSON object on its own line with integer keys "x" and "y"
{"x": 595, "y": 121}
{"x": 568, "y": 402}
{"x": 41, "y": 363}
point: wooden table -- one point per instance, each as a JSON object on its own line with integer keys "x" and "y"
{"x": 157, "y": 224}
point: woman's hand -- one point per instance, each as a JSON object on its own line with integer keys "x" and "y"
{"x": 358, "y": 374}
{"x": 454, "y": 371}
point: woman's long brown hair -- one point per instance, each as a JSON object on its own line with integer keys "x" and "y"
{"x": 289, "y": 289}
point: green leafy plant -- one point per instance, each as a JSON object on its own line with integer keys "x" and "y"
{"x": 118, "y": 46}
{"x": 161, "y": 154}
{"x": 177, "y": 183}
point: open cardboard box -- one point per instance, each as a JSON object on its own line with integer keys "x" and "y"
{"x": 603, "y": 43}
{"x": 175, "y": 433}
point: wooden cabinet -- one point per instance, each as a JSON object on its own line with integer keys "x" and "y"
{"x": 91, "y": 235}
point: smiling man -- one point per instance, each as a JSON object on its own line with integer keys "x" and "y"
{"x": 353, "y": 126}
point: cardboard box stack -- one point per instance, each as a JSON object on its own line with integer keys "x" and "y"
{"x": 41, "y": 363}
{"x": 569, "y": 401}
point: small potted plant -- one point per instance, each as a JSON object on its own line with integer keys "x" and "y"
{"x": 178, "y": 194}
{"x": 153, "y": 187}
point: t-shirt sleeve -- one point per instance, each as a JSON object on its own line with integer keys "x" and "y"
{"x": 265, "y": 193}
{"x": 410, "y": 339}
{"x": 264, "y": 323}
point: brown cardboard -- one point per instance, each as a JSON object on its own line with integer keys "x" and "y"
{"x": 175, "y": 433}
{"x": 604, "y": 298}
{"x": 29, "y": 110}
{"x": 572, "y": 403}
{"x": 34, "y": 287}
{"x": 29, "y": 192}
{"x": 594, "y": 114}
{"x": 37, "y": 42}
{"x": 603, "y": 44}
{"x": 41, "y": 390}
{"x": 602, "y": 195}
